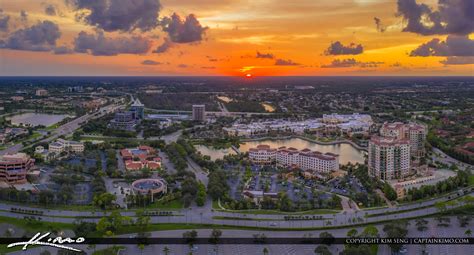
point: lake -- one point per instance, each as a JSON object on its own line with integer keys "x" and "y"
{"x": 225, "y": 99}
{"x": 214, "y": 153}
{"x": 37, "y": 119}
{"x": 347, "y": 153}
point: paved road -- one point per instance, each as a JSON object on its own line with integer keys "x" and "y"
{"x": 439, "y": 155}
{"x": 257, "y": 249}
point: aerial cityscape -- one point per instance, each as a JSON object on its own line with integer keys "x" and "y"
{"x": 236, "y": 127}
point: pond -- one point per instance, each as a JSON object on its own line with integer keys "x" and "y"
{"x": 347, "y": 153}
{"x": 36, "y": 119}
{"x": 225, "y": 99}
{"x": 214, "y": 153}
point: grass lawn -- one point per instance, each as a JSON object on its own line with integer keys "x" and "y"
{"x": 173, "y": 205}
{"x": 471, "y": 180}
{"x": 56, "y": 207}
{"x": 256, "y": 211}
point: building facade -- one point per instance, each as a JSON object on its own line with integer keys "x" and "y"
{"x": 41, "y": 92}
{"x": 389, "y": 158}
{"x": 138, "y": 109}
{"x": 262, "y": 155}
{"x": 199, "y": 112}
{"x": 414, "y": 132}
{"x": 14, "y": 167}
{"x": 123, "y": 121}
{"x": 291, "y": 157}
{"x": 62, "y": 145}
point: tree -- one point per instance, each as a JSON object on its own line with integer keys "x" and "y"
{"x": 215, "y": 235}
{"x": 468, "y": 232}
{"x": 201, "y": 195}
{"x": 166, "y": 250}
{"x": 356, "y": 250}
{"x": 216, "y": 187}
{"x": 370, "y": 231}
{"x": 190, "y": 236}
{"x": 322, "y": 250}
{"x": 396, "y": 230}
{"x": 421, "y": 224}
{"x": 327, "y": 237}
{"x": 104, "y": 200}
{"x": 389, "y": 192}
{"x": 265, "y": 251}
{"x": 352, "y": 233}
{"x": 285, "y": 202}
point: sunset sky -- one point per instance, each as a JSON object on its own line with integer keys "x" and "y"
{"x": 236, "y": 37}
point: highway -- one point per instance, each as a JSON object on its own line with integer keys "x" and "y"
{"x": 287, "y": 249}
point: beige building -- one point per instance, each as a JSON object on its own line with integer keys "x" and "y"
{"x": 389, "y": 158}
{"x": 62, "y": 145}
{"x": 414, "y": 132}
{"x": 291, "y": 157}
{"x": 41, "y": 92}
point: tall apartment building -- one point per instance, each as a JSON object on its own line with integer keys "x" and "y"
{"x": 414, "y": 132}
{"x": 41, "y": 92}
{"x": 389, "y": 158}
{"x": 13, "y": 167}
{"x": 199, "y": 112}
{"x": 291, "y": 157}
{"x": 138, "y": 109}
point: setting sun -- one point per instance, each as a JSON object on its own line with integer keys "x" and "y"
{"x": 248, "y": 75}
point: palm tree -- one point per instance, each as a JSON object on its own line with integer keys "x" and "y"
{"x": 166, "y": 250}
{"x": 468, "y": 232}
{"x": 265, "y": 251}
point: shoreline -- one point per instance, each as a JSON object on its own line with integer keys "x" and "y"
{"x": 344, "y": 141}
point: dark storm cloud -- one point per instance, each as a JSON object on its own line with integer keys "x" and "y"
{"x": 62, "y": 50}
{"x": 378, "y": 25}
{"x": 100, "y": 45}
{"x": 150, "y": 63}
{"x": 39, "y": 37}
{"x": 264, "y": 55}
{"x": 4, "y": 20}
{"x": 351, "y": 62}
{"x": 119, "y": 15}
{"x": 337, "y": 48}
{"x": 164, "y": 47}
{"x": 50, "y": 10}
{"x": 183, "y": 31}
{"x": 451, "y": 17}
{"x": 285, "y": 62}
{"x": 458, "y": 61}
{"x": 23, "y": 15}
{"x": 453, "y": 46}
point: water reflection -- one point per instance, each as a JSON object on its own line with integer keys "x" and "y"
{"x": 36, "y": 119}
{"x": 347, "y": 153}
{"x": 214, "y": 153}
